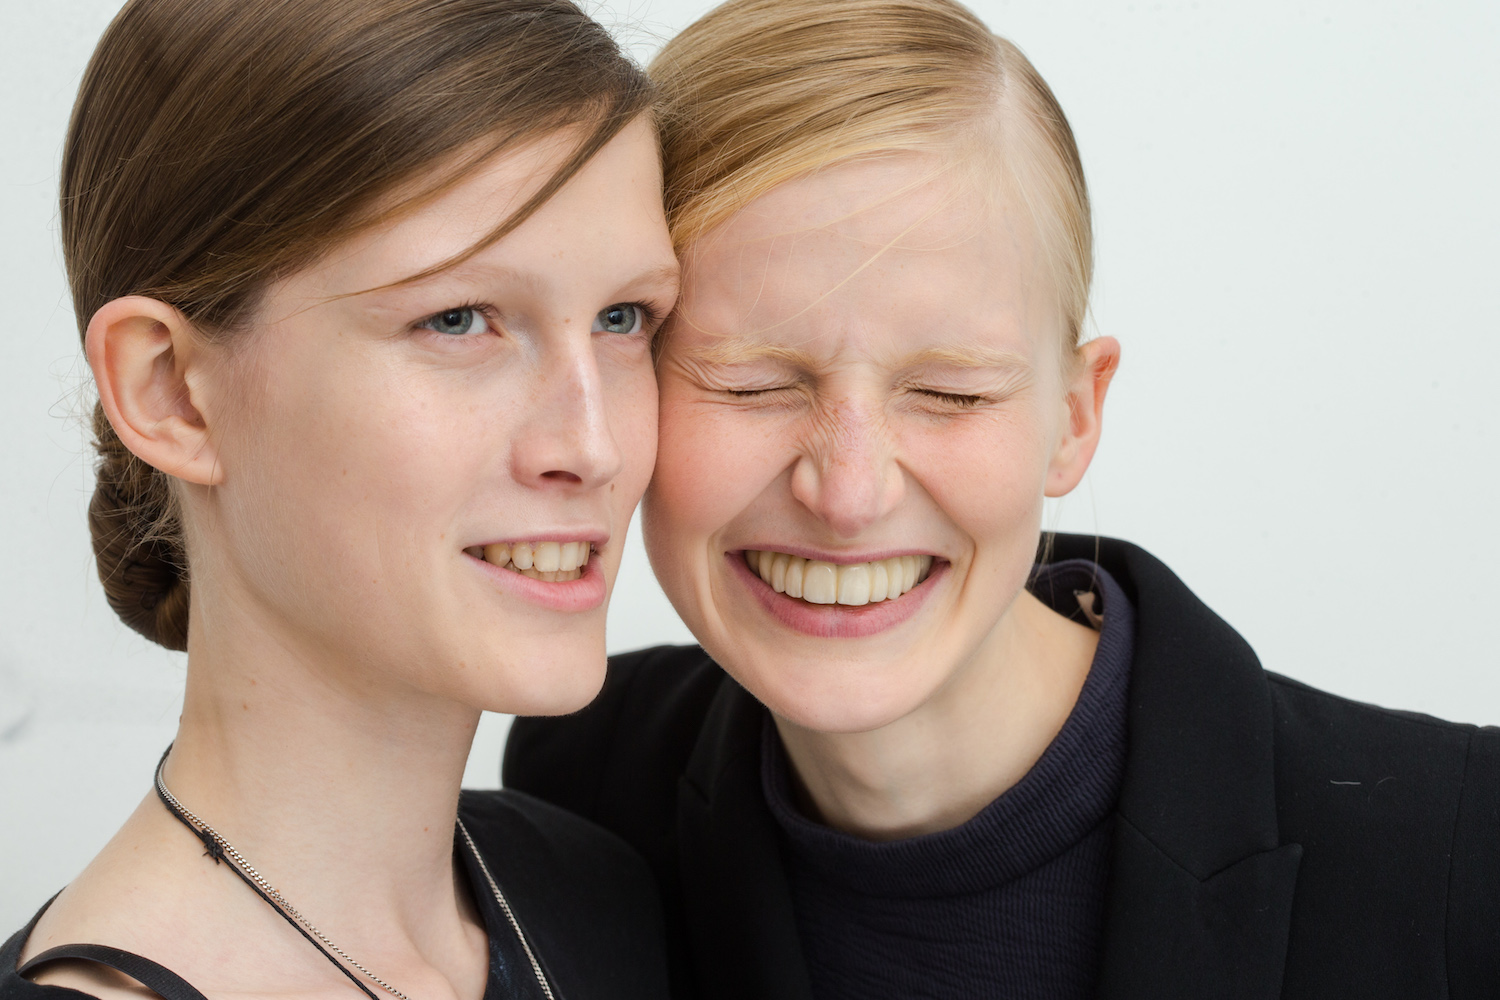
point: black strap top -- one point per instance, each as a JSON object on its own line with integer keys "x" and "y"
{"x": 162, "y": 981}
{"x": 504, "y": 980}
{"x": 587, "y": 902}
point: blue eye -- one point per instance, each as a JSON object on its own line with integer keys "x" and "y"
{"x": 456, "y": 322}
{"x": 622, "y": 317}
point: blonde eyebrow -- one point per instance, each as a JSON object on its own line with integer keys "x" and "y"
{"x": 735, "y": 351}
{"x": 966, "y": 357}
{"x": 731, "y": 351}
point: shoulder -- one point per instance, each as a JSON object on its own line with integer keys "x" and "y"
{"x": 1411, "y": 781}
{"x": 585, "y": 899}
{"x": 523, "y": 832}
{"x": 1399, "y": 818}
{"x": 635, "y": 736}
{"x": 13, "y": 986}
{"x": 1324, "y": 742}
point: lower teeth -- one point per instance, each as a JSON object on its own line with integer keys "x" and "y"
{"x": 556, "y": 576}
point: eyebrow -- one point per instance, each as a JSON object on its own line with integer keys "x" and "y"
{"x": 663, "y": 274}
{"x": 735, "y": 351}
{"x": 966, "y": 357}
{"x": 665, "y": 278}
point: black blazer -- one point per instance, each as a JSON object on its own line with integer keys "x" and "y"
{"x": 1270, "y": 840}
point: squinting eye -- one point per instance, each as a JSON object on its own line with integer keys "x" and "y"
{"x": 959, "y": 400}
{"x": 622, "y": 317}
{"x": 456, "y": 322}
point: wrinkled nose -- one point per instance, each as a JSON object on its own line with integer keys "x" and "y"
{"x": 566, "y": 441}
{"x": 847, "y": 474}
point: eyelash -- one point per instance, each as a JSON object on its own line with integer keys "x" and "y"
{"x": 481, "y": 308}
{"x": 957, "y": 400}
{"x": 651, "y": 317}
{"x": 954, "y": 399}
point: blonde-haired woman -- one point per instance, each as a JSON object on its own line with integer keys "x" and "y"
{"x": 910, "y": 759}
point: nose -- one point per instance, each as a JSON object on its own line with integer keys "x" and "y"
{"x": 566, "y": 440}
{"x": 848, "y": 474}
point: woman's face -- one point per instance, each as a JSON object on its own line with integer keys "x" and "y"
{"x": 385, "y": 452}
{"x": 863, "y": 383}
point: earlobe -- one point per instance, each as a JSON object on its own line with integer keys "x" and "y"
{"x": 142, "y": 352}
{"x": 1085, "y": 418}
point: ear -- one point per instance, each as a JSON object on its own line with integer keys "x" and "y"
{"x": 146, "y": 358}
{"x": 1085, "y": 400}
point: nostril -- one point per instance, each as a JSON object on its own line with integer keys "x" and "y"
{"x": 563, "y": 476}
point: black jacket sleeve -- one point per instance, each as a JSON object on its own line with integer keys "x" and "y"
{"x": 1474, "y": 889}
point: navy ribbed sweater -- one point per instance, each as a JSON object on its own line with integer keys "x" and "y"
{"x": 1011, "y": 903}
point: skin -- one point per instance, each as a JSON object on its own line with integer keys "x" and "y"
{"x": 335, "y": 461}
{"x": 866, "y": 363}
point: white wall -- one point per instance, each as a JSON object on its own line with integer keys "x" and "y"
{"x": 1298, "y": 223}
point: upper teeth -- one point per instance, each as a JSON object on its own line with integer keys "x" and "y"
{"x": 550, "y": 561}
{"x": 819, "y": 582}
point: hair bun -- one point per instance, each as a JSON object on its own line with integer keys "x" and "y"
{"x": 137, "y": 548}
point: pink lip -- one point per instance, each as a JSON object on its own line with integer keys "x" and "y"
{"x": 835, "y": 621}
{"x": 583, "y": 594}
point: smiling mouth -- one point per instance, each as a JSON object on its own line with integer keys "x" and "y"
{"x": 855, "y": 584}
{"x": 552, "y": 562}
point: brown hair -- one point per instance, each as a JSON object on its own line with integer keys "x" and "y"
{"x": 218, "y": 145}
{"x": 760, "y": 92}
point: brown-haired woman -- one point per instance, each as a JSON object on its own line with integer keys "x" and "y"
{"x": 367, "y": 288}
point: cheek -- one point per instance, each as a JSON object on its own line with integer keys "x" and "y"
{"x": 711, "y": 464}
{"x": 631, "y": 400}
{"x": 356, "y": 465}
{"x": 986, "y": 473}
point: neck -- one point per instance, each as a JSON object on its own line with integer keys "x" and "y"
{"x": 341, "y": 789}
{"x": 936, "y": 767}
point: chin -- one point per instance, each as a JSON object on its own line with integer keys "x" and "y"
{"x": 849, "y": 701}
{"x": 550, "y": 685}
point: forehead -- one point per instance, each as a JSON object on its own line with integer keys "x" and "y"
{"x": 897, "y": 253}
{"x": 614, "y": 200}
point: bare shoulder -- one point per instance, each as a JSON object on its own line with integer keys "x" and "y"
{"x": 147, "y": 892}
{"x": 112, "y": 903}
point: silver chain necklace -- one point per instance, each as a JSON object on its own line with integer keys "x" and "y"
{"x": 221, "y": 850}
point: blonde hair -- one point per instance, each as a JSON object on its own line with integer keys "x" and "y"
{"x": 759, "y": 92}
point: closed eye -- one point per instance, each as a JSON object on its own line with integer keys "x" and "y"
{"x": 954, "y": 398}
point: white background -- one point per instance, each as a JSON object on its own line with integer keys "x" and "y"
{"x": 1298, "y": 226}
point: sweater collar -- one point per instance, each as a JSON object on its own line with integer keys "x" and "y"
{"x": 1068, "y": 792}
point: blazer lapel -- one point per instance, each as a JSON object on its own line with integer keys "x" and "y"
{"x": 1201, "y": 886}
{"x": 738, "y": 900}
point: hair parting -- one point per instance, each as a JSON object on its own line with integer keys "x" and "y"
{"x": 760, "y": 92}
